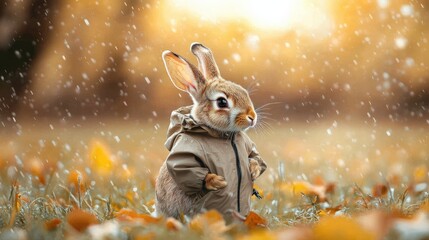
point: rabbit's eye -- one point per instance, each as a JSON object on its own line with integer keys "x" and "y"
{"x": 222, "y": 102}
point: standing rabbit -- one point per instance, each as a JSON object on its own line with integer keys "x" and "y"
{"x": 212, "y": 163}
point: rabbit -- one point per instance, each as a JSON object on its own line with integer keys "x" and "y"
{"x": 212, "y": 162}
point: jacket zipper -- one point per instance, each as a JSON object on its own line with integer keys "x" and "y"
{"x": 237, "y": 161}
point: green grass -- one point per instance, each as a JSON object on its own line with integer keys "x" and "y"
{"x": 354, "y": 158}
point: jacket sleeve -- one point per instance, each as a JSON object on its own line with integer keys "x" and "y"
{"x": 254, "y": 154}
{"x": 185, "y": 165}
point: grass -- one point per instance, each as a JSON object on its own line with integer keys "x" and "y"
{"x": 50, "y": 171}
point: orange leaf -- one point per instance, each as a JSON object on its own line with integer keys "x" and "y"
{"x": 36, "y": 168}
{"x": 81, "y": 220}
{"x": 253, "y": 220}
{"x": 130, "y": 215}
{"x": 77, "y": 179}
{"x": 333, "y": 210}
{"x": 379, "y": 190}
{"x": 52, "y": 224}
{"x": 173, "y": 225}
{"x": 150, "y": 203}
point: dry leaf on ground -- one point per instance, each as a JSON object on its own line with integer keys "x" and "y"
{"x": 81, "y": 220}
{"x": 130, "y": 215}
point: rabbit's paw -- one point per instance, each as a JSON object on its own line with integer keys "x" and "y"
{"x": 255, "y": 169}
{"x": 214, "y": 182}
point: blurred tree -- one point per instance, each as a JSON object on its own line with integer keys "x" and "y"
{"x": 92, "y": 58}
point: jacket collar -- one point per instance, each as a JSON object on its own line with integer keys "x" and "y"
{"x": 182, "y": 121}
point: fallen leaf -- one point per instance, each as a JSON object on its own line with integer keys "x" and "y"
{"x": 81, "y": 220}
{"x": 253, "y": 220}
{"x": 77, "y": 180}
{"x": 330, "y": 210}
{"x": 173, "y": 224}
{"x": 379, "y": 190}
{"x": 130, "y": 215}
{"x": 52, "y": 224}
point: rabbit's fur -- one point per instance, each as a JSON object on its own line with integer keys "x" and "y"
{"x": 206, "y": 87}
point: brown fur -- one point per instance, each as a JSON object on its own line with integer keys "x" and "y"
{"x": 170, "y": 199}
{"x": 203, "y": 85}
{"x": 214, "y": 182}
{"x": 255, "y": 169}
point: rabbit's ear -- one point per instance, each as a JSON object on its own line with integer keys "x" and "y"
{"x": 206, "y": 61}
{"x": 183, "y": 74}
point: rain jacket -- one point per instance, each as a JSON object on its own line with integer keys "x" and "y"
{"x": 196, "y": 150}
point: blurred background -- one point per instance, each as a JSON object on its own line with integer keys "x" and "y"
{"x": 354, "y": 70}
{"x": 319, "y": 59}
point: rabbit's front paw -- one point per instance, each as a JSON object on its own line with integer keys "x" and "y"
{"x": 255, "y": 169}
{"x": 214, "y": 182}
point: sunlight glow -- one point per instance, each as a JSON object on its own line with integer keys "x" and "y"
{"x": 306, "y": 16}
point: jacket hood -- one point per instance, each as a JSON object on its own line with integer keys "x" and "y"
{"x": 182, "y": 121}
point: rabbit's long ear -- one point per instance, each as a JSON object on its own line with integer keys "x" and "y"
{"x": 206, "y": 61}
{"x": 183, "y": 74}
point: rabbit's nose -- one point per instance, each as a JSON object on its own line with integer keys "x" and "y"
{"x": 251, "y": 117}
{"x": 251, "y": 120}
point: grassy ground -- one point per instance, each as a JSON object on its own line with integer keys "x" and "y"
{"x": 326, "y": 178}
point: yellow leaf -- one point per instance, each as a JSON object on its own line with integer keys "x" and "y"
{"x": 260, "y": 191}
{"x": 340, "y": 228}
{"x": 211, "y": 221}
{"x": 130, "y": 196}
{"x": 420, "y": 173}
{"x": 322, "y": 213}
{"x": 101, "y": 159}
{"x": 297, "y": 188}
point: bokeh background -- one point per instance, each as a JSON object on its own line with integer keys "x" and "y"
{"x": 348, "y": 80}
{"x": 320, "y": 59}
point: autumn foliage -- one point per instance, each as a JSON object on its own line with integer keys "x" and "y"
{"x": 100, "y": 196}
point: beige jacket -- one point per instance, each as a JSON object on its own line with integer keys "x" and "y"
{"x": 196, "y": 150}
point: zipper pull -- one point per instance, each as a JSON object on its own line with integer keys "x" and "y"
{"x": 256, "y": 193}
